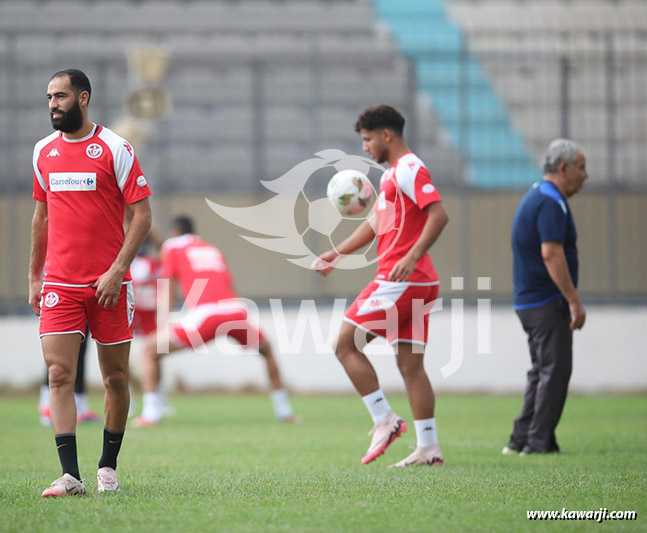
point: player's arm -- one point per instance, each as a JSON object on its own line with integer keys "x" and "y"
{"x": 364, "y": 234}
{"x": 37, "y": 255}
{"x": 552, "y": 252}
{"x": 109, "y": 283}
{"x": 437, "y": 219}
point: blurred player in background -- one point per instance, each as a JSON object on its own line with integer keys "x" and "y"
{"x": 83, "y": 411}
{"x": 84, "y": 177}
{"x": 189, "y": 260}
{"x": 545, "y": 295}
{"x": 408, "y": 217}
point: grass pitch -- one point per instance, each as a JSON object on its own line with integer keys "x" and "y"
{"x": 223, "y": 464}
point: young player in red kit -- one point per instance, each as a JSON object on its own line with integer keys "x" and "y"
{"x": 84, "y": 177}
{"x": 408, "y": 217}
{"x": 214, "y": 309}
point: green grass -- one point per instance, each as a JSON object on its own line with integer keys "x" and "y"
{"x": 223, "y": 464}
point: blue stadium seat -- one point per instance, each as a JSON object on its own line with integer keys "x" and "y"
{"x": 468, "y": 107}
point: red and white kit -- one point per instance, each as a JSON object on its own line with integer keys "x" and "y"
{"x": 405, "y": 190}
{"x": 145, "y": 271}
{"x": 86, "y": 184}
{"x": 206, "y": 284}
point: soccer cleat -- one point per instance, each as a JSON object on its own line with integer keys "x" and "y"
{"x": 513, "y": 447}
{"x": 87, "y": 416}
{"x": 141, "y": 422}
{"x": 107, "y": 479}
{"x": 66, "y": 485}
{"x": 384, "y": 433}
{"x": 44, "y": 415}
{"x": 422, "y": 456}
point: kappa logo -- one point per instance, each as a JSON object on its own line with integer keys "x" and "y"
{"x": 129, "y": 148}
{"x": 274, "y": 220}
{"x": 94, "y": 151}
{"x": 51, "y": 299}
{"x": 53, "y": 153}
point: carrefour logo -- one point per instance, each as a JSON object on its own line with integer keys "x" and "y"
{"x": 72, "y": 181}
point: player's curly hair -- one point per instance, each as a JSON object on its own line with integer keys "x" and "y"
{"x": 380, "y": 117}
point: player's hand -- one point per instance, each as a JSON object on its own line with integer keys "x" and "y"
{"x": 403, "y": 269}
{"x": 578, "y": 314}
{"x": 35, "y": 294}
{"x": 108, "y": 288}
{"x": 325, "y": 263}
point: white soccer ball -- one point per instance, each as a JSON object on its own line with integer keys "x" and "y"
{"x": 350, "y": 191}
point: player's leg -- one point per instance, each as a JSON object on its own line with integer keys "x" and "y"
{"x": 387, "y": 425}
{"x": 113, "y": 362}
{"x": 151, "y": 374}
{"x": 83, "y": 411}
{"x": 43, "y": 401}
{"x": 60, "y": 353}
{"x": 423, "y": 403}
{"x": 279, "y": 396}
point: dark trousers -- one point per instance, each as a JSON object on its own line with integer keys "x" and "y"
{"x": 551, "y": 352}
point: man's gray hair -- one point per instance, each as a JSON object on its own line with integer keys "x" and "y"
{"x": 560, "y": 150}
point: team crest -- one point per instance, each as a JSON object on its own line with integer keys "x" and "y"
{"x": 94, "y": 151}
{"x": 51, "y": 299}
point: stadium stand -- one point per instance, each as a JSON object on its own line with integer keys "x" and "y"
{"x": 575, "y": 68}
{"x": 256, "y": 87}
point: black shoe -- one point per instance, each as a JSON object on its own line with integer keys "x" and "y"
{"x": 528, "y": 450}
{"x": 513, "y": 447}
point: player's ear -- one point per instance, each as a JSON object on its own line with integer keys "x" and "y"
{"x": 387, "y": 135}
{"x": 84, "y": 98}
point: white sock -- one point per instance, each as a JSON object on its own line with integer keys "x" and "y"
{"x": 81, "y": 401}
{"x": 43, "y": 400}
{"x": 281, "y": 403}
{"x": 152, "y": 409}
{"x": 377, "y": 405}
{"x": 426, "y": 432}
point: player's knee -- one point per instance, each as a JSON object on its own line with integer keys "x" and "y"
{"x": 343, "y": 347}
{"x": 409, "y": 368}
{"x": 116, "y": 380}
{"x": 60, "y": 376}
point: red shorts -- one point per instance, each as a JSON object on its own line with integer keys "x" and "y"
{"x": 67, "y": 309}
{"x": 145, "y": 321}
{"x": 399, "y": 312}
{"x": 208, "y": 321}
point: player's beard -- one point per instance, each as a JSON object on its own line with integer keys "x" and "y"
{"x": 71, "y": 121}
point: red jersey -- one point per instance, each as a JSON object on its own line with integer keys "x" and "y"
{"x": 86, "y": 183}
{"x": 145, "y": 270}
{"x": 188, "y": 258}
{"x": 405, "y": 190}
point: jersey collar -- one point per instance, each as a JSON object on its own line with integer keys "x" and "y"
{"x": 82, "y": 139}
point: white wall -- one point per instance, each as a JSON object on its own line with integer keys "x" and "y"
{"x": 610, "y": 355}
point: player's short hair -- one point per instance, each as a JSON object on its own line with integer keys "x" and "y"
{"x": 78, "y": 80}
{"x": 183, "y": 224}
{"x": 560, "y": 151}
{"x": 380, "y": 117}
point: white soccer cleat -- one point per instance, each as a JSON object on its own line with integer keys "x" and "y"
{"x": 422, "y": 456}
{"x": 107, "y": 480}
{"x": 67, "y": 485}
{"x": 384, "y": 433}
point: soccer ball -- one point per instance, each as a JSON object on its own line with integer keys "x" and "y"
{"x": 350, "y": 191}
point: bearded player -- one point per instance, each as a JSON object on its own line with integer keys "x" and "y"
{"x": 84, "y": 178}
